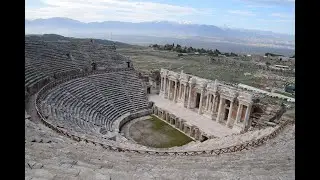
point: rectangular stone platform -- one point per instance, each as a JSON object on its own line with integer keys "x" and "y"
{"x": 205, "y": 124}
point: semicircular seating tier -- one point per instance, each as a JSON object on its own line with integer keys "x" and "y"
{"x": 90, "y": 105}
{"x": 47, "y": 60}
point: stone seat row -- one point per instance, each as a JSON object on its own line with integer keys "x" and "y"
{"x": 81, "y": 108}
{"x": 58, "y": 51}
{"x": 65, "y": 120}
{"x": 98, "y": 100}
{"x": 51, "y": 60}
{"x": 80, "y": 59}
{"x": 51, "y": 67}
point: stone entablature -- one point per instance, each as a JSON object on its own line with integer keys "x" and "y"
{"x": 220, "y": 102}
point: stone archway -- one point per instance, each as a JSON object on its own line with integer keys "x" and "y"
{"x": 188, "y": 129}
{"x": 193, "y": 132}
{"x": 172, "y": 120}
{"x": 167, "y": 118}
{"x": 177, "y": 125}
{"x": 256, "y": 112}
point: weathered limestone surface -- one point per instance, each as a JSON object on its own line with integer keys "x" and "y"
{"x": 52, "y": 156}
{"x": 80, "y": 106}
{"x": 205, "y": 124}
{"x": 199, "y": 94}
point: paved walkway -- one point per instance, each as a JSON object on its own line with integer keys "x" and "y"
{"x": 203, "y": 123}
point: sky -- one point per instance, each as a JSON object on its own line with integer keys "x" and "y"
{"x": 268, "y": 15}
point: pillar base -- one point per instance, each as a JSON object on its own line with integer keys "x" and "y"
{"x": 163, "y": 95}
{"x": 238, "y": 127}
{"x": 230, "y": 123}
{"x": 180, "y": 103}
{"x": 207, "y": 114}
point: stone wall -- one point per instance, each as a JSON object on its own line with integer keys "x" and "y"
{"x": 172, "y": 119}
{"x": 117, "y": 125}
{"x": 208, "y": 98}
{"x": 179, "y": 124}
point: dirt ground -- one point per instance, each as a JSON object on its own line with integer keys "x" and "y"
{"x": 146, "y": 59}
{"x": 156, "y": 133}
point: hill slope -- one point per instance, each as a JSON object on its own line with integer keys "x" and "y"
{"x": 163, "y": 29}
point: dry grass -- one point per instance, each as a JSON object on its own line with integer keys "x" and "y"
{"x": 146, "y": 59}
{"x": 158, "y": 134}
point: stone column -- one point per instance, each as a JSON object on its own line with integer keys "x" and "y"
{"x": 213, "y": 104}
{"x": 199, "y": 135}
{"x": 162, "y": 83}
{"x": 220, "y": 108}
{"x": 179, "y": 93}
{"x": 184, "y": 128}
{"x": 230, "y": 112}
{"x": 181, "y": 123}
{"x": 200, "y": 103}
{"x": 207, "y": 102}
{"x": 210, "y": 103}
{"x": 189, "y": 98}
{"x": 239, "y": 113}
{"x": 177, "y": 123}
{"x": 175, "y": 92}
{"x": 164, "y": 86}
{"x": 247, "y": 116}
{"x": 185, "y": 93}
{"x": 169, "y": 89}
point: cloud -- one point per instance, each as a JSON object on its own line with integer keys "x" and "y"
{"x": 252, "y": 4}
{"x": 117, "y": 10}
{"x": 241, "y": 13}
{"x": 271, "y": 1}
{"x": 282, "y": 15}
{"x": 276, "y": 20}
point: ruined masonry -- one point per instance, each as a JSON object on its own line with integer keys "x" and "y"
{"x": 221, "y": 103}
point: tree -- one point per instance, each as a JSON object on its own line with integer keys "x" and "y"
{"x": 233, "y": 54}
{"x": 168, "y": 47}
{"x": 271, "y": 54}
{"x": 216, "y": 51}
{"x": 184, "y": 50}
{"x": 189, "y": 50}
{"x": 155, "y": 46}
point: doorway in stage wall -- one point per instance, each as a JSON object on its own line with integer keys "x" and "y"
{"x": 148, "y": 90}
{"x": 226, "y": 112}
{"x": 198, "y": 100}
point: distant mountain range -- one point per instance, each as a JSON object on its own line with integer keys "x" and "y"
{"x": 151, "y": 31}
